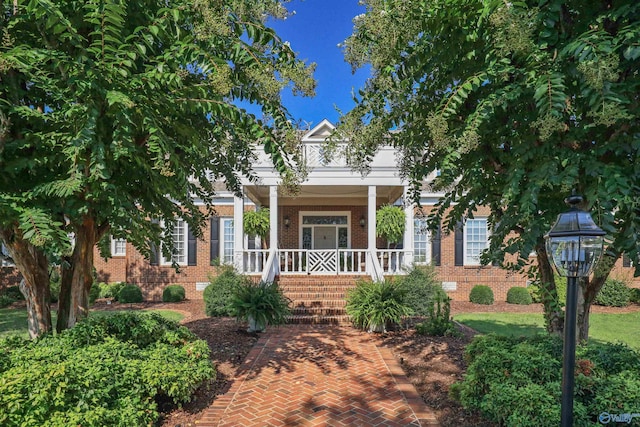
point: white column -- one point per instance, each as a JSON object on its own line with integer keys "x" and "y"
{"x": 408, "y": 229}
{"x": 371, "y": 218}
{"x": 238, "y": 231}
{"x": 273, "y": 217}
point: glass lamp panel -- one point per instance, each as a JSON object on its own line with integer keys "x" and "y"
{"x": 574, "y": 256}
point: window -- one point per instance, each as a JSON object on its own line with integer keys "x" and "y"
{"x": 420, "y": 241}
{"x": 227, "y": 243}
{"x": 118, "y": 247}
{"x": 475, "y": 240}
{"x": 179, "y": 236}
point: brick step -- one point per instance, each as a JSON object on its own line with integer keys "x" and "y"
{"x": 313, "y": 296}
{"x": 316, "y": 285}
{"x": 319, "y": 311}
{"x": 319, "y": 320}
{"x": 316, "y": 290}
{"x": 318, "y": 303}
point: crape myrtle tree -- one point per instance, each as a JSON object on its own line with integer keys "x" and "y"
{"x": 117, "y": 115}
{"x": 517, "y": 104}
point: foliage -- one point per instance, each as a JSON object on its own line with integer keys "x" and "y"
{"x": 130, "y": 110}
{"x": 94, "y": 292}
{"x": 219, "y": 293}
{"x": 173, "y": 293}
{"x": 516, "y": 381}
{"x": 422, "y": 288}
{"x": 130, "y": 294}
{"x": 263, "y": 303}
{"x": 518, "y": 295}
{"x": 438, "y": 321}
{"x": 111, "y": 290}
{"x": 390, "y": 223}
{"x": 516, "y": 107}
{"x": 257, "y": 223}
{"x": 481, "y": 294}
{"x": 6, "y": 300}
{"x": 108, "y": 370}
{"x": 614, "y": 293}
{"x": 376, "y": 306}
{"x": 13, "y": 292}
{"x": 634, "y": 295}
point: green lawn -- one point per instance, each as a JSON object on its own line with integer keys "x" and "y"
{"x": 14, "y": 321}
{"x": 604, "y": 327}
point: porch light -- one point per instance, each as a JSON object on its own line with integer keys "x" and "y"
{"x": 287, "y": 221}
{"x": 575, "y": 246}
{"x": 363, "y": 221}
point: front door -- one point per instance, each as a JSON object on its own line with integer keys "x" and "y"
{"x": 324, "y": 237}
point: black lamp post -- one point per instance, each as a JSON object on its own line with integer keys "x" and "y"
{"x": 575, "y": 245}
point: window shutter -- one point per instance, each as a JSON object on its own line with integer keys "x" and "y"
{"x": 626, "y": 260}
{"x": 215, "y": 238}
{"x": 192, "y": 247}
{"x": 459, "y": 244}
{"x": 436, "y": 246}
{"x": 153, "y": 260}
{"x": 251, "y": 242}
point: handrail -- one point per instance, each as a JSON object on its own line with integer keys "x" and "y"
{"x": 375, "y": 267}
{"x": 270, "y": 267}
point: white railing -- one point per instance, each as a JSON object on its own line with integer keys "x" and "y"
{"x": 394, "y": 261}
{"x": 314, "y": 155}
{"x": 352, "y": 261}
{"x": 379, "y": 263}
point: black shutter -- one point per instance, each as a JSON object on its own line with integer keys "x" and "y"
{"x": 215, "y": 238}
{"x": 459, "y": 244}
{"x": 436, "y": 241}
{"x": 192, "y": 247}
{"x": 153, "y": 260}
{"x": 626, "y": 260}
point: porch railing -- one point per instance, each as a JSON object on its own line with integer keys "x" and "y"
{"x": 327, "y": 262}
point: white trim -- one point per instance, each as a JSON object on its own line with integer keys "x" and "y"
{"x": 421, "y": 230}
{"x": 114, "y": 247}
{"x": 302, "y": 214}
{"x": 180, "y": 224}
{"x": 468, "y": 259}
{"x": 227, "y": 258}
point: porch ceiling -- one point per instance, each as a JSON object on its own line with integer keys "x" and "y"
{"x": 337, "y": 195}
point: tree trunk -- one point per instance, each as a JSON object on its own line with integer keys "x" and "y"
{"x": 589, "y": 290}
{"x": 77, "y": 278}
{"x": 33, "y": 264}
{"x": 553, "y": 314}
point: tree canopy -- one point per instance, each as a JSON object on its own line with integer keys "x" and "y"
{"x": 118, "y": 114}
{"x": 517, "y": 104}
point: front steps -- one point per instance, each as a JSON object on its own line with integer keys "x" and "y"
{"x": 317, "y": 299}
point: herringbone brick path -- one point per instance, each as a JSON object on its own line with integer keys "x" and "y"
{"x": 317, "y": 375}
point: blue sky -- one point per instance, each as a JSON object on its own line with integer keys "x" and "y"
{"x": 314, "y": 33}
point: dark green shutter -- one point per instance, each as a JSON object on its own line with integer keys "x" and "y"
{"x": 459, "y": 244}
{"x": 214, "y": 241}
{"x": 436, "y": 246}
{"x": 192, "y": 247}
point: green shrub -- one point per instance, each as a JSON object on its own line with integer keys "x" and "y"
{"x": 481, "y": 294}
{"x": 218, "y": 294}
{"x": 438, "y": 322}
{"x": 111, "y": 290}
{"x": 634, "y": 295}
{"x": 94, "y": 293}
{"x": 6, "y": 301}
{"x": 107, "y": 370}
{"x": 14, "y": 293}
{"x": 377, "y": 306}
{"x": 54, "y": 284}
{"x": 261, "y": 305}
{"x": 422, "y": 288}
{"x": 518, "y": 295}
{"x": 614, "y": 293}
{"x": 130, "y": 294}
{"x": 173, "y": 293}
{"x": 516, "y": 381}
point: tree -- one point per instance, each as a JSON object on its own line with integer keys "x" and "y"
{"x": 517, "y": 104}
{"x": 116, "y": 116}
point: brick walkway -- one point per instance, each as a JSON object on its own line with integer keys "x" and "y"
{"x": 301, "y": 375}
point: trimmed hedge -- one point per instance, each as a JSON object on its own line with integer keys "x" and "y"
{"x": 173, "y": 293}
{"x": 634, "y": 295}
{"x": 219, "y": 293}
{"x": 107, "y": 370}
{"x": 614, "y": 293}
{"x": 518, "y": 295}
{"x": 481, "y": 294}
{"x": 516, "y": 381}
{"x": 130, "y": 294}
{"x": 111, "y": 290}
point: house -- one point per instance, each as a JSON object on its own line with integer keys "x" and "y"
{"x": 327, "y": 229}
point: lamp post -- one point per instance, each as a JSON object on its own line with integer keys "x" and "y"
{"x": 575, "y": 245}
